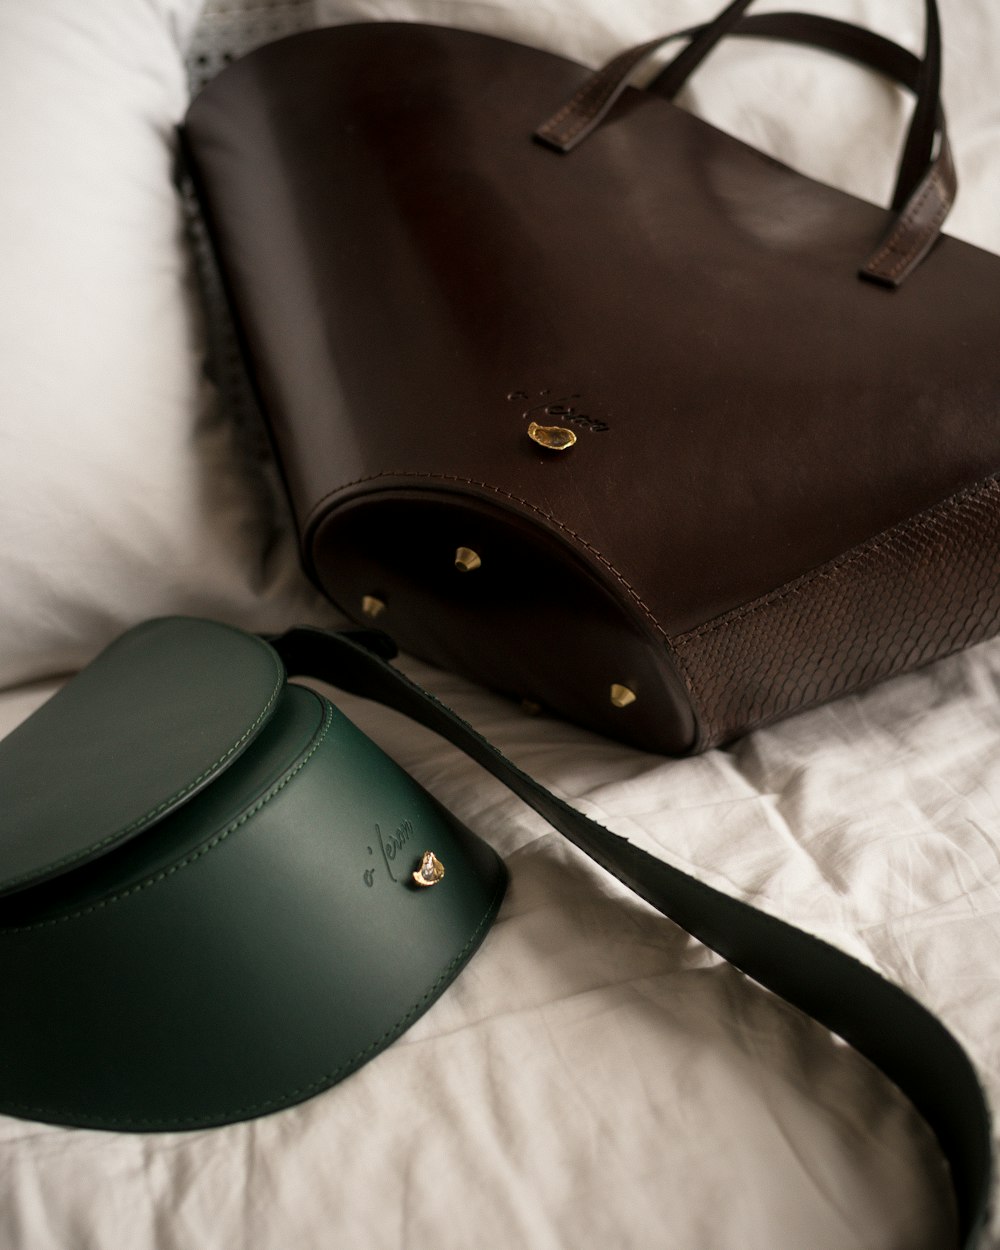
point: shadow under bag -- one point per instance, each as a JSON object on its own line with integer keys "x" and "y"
{"x": 583, "y": 398}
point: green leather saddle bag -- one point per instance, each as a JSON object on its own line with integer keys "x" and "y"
{"x": 209, "y": 910}
{"x": 218, "y": 897}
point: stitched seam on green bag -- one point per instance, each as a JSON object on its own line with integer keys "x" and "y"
{"x": 300, "y": 1092}
{"x": 118, "y": 834}
{"x": 195, "y": 855}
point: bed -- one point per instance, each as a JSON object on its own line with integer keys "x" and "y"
{"x": 595, "y": 1077}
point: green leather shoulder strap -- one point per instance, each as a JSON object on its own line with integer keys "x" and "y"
{"x": 910, "y": 1045}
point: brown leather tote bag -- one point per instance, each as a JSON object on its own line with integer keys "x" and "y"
{"x": 583, "y": 398}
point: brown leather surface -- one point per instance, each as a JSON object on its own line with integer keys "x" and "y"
{"x": 416, "y": 280}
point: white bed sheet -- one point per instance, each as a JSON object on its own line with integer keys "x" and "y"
{"x": 595, "y": 1078}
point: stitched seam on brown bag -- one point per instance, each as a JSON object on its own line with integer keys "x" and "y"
{"x": 920, "y": 593}
{"x": 699, "y": 708}
{"x": 891, "y": 245}
{"x": 495, "y": 490}
{"x": 837, "y": 565}
{"x": 600, "y": 88}
{"x": 593, "y": 86}
{"x": 551, "y": 127}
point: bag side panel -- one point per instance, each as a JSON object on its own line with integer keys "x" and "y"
{"x": 915, "y": 593}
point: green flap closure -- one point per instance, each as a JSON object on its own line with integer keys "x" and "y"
{"x": 159, "y": 713}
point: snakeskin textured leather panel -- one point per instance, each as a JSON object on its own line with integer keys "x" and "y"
{"x": 917, "y": 592}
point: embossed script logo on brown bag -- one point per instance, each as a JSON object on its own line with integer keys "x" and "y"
{"x": 561, "y": 410}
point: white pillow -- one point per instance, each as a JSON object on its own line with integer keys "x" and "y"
{"x": 124, "y": 492}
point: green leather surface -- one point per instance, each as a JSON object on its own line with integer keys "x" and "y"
{"x": 255, "y": 946}
{"x": 156, "y": 716}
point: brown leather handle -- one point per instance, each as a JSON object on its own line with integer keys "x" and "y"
{"x": 925, "y": 187}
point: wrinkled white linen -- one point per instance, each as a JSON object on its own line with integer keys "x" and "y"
{"x": 595, "y": 1078}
